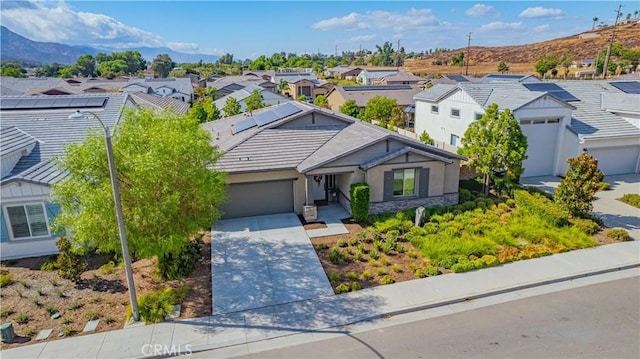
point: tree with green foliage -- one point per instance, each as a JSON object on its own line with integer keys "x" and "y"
{"x": 502, "y": 67}
{"x": 86, "y": 65}
{"x": 458, "y": 59}
{"x": 50, "y": 70}
{"x": 380, "y": 108}
{"x": 11, "y": 69}
{"x": 283, "y": 86}
{"x": 577, "y": 189}
{"x": 321, "y": 101}
{"x": 231, "y": 107}
{"x": 112, "y": 69}
{"x": 350, "y": 108}
{"x": 425, "y": 138}
{"x": 595, "y": 19}
{"x": 69, "y": 71}
{"x": 384, "y": 55}
{"x": 302, "y": 98}
{"x": 546, "y": 63}
{"x": 162, "y": 65}
{"x": 197, "y": 112}
{"x": 496, "y": 147}
{"x": 169, "y": 190}
{"x": 226, "y": 59}
{"x": 565, "y": 62}
{"x": 213, "y": 113}
{"x": 254, "y": 101}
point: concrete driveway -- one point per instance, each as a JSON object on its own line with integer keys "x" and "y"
{"x": 263, "y": 261}
{"x": 606, "y": 206}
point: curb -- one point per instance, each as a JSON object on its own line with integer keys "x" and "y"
{"x": 207, "y": 347}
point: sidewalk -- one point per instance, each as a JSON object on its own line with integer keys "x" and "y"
{"x": 192, "y": 335}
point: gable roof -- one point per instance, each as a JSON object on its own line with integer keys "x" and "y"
{"x": 180, "y": 84}
{"x": 160, "y": 103}
{"x": 54, "y": 130}
{"x": 377, "y": 74}
{"x": 402, "y": 76}
{"x": 399, "y": 152}
{"x": 305, "y": 147}
{"x": 244, "y": 92}
{"x": 403, "y": 94}
{"x": 13, "y": 140}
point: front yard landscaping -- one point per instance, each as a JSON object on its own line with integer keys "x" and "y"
{"x": 478, "y": 233}
{"x": 31, "y": 295}
{"x": 632, "y": 199}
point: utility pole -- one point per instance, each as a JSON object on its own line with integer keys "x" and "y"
{"x": 398, "y": 56}
{"x": 336, "y": 50}
{"x": 466, "y": 71}
{"x": 613, "y": 35}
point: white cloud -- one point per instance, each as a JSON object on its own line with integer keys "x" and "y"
{"x": 499, "y": 26}
{"x": 480, "y": 10}
{"x": 59, "y": 22}
{"x": 541, "y": 28}
{"x": 362, "y": 38}
{"x": 413, "y": 19}
{"x": 539, "y": 11}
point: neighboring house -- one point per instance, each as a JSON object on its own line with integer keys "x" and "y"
{"x": 178, "y": 88}
{"x": 343, "y": 72}
{"x": 228, "y": 84}
{"x": 301, "y": 84}
{"x": 56, "y": 86}
{"x": 159, "y": 103}
{"x": 500, "y": 78}
{"x": 268, "y": 98}
{"x": 263, "y": 74}
{"x": 400, "y": 78}
{"x": 403, "y": 94}
{"x": 370, "y": 77}
{"x": 287, "y": 156}
{"x": 34, "y": 131}
{"x": 559, "y": 119}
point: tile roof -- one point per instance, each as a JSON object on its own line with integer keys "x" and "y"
{"x": 180, "y": 84}
{"x": 404, "y": 96}
{"x": 402, "y": 76}
{"x": 400, "y": 152}
{"x": 54, "y": 130}
{"x": 13, "y": 139}
{"x": 160, "y": 103}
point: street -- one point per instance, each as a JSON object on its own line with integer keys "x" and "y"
{"x": 596, "y": 321}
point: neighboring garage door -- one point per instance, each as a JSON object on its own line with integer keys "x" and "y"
{"x": 258, "y": 198}
{"x": 541, "y": 147}
{"x": 616, "y": 160}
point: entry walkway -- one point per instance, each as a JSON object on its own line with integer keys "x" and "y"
{"x": 332, "y": 216}
{"x": 263, "y": 261}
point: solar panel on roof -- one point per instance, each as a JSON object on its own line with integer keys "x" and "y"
{"x": 458, "y": 78}
{"x": 630, "y": 87}
{"x": 287, "y": 109}
{"x": 78, "y": 102}
{"x": 243, "y": 125}
{"x": 265, "y": 118}
{"x": 37, "y": 102}
{"x": 553, "y": 89}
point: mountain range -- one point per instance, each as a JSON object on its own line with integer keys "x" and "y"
{"x": 17, "y": 48}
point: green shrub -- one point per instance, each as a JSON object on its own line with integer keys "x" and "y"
{"x": 385, "y": 261}
{"x": 70, "y": 265}
{"x": 180, "y": 264}
{"x": 464, "y": 195}
{"x": 341, "y": 243}
{"x": 618, "y": 234}
{"x": 322, "y": 246}
{"x": 542, "y": 207}
{"x": 5, "y": 313}
{"x": 353, "y": 241}
{"x": 374, "y": 254}
{"x": 386, "y": 280}
{"x": 108, "y": 268}
{"x": 359, "y": 256}
{"x": 366, "y": 275}
{"x": 154, "y": 307}
{"x": 485, "y": 262}
{"x": 346, "y": 256}
{"x": 334, "y": 255}
{"x": 5, "y": 279}
{"x": 359, "y": 194}
{"x": 109, "y": 320}
{"x": 67, "y": 331}
{"x": 94, "y": 316}
{"x": 342, "y": 288}
{"x": 432, "y": 271}
{"x": 67, "y": 321}
{"x": 632, "y": 199}
{"x": 381, "y": 271}
{"x": 75, "y": 305}
{"x": 412, "y": 254}
{"x": 50, "y": 309}
{"x": 351, "y": 275}
{"x": 399, "y": 248}
{"x": 396, "y": 268}
{"x": 50, "y": 264}
{"x": 21, "y": 318}
{"x": 463, "y": 266}
{"x": 334, "y": 277}
{"x": 419, "y": 273}
{"x": 586, "y": 225}
{"x": 355, "y": 286}
{"x": 604, "y": 186}
{"x": 472, "y": 184}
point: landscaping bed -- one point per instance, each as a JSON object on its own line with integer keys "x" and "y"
{"x": 33, "y": 295}
{"x": 481, "y": 232}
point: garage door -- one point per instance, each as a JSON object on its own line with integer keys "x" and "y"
{"x": 616, "y": 160}
{"x": 541, "y": 147}
{"x": 258, "y": 198}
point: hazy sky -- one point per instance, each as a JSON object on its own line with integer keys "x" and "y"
{"x": 250, "y": 28}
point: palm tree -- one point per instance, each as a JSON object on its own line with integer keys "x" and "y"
{"x": 595, "y": 19}
{"x": 635, "y": 13}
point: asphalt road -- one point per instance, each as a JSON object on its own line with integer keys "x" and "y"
{"x": 596, "y": 321}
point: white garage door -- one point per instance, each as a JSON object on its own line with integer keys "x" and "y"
{"x": 616, "y": 160}
{"x": 541, "y": 149}
{"x": 258, "y": 198}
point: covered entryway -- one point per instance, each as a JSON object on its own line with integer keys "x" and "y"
{"x": 616, "y": 160}
{"x": 541, "y": 140}
{"x": 258, "y": 198}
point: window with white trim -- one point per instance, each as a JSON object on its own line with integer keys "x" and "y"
{"x": 28, "y": 221}
{"x": 455, "y": 112}
{"x": 434, "y": 108}
{"x": 404, "y": 182}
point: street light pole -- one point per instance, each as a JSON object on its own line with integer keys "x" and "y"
{"x": 126, "y": 258}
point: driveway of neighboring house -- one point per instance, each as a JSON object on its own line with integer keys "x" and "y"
{"x": 263, "y": 261}
{"x": 613, "y": 212}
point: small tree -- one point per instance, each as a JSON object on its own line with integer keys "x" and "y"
{"x": 211, "y": 109}
{"x": 162, "y": 65}
{"x": 425, "y": 138}
{"x": 496, "y": 147}
{"x": 577, "y": 189}
{"x": 231, "y": 107}
{"x": 350, "y": 108}
{"x": 254, "y": 101}
{"x": 70, "y": 264}
{"x": 502, "y": 67}
{"x": 321, "y": 101}
{"x": 197, "y": 112}
{"x": 380, "y": 108}
{"x": 302, "y": 98}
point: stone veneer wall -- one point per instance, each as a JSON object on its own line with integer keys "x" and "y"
{"x": 399, "y": 205}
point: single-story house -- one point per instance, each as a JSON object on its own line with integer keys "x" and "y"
{"x": 400, "y": 78}
{"x": 57, "y": 86}
{"x": 179, "y": 88}
{"x": 370, "y": 77}
{"x": 159, "y": 103}
{"x": 287, "y": 156}
{"x": 34, "y": 131}
{"x": 403, "y": 94}
{"x": 228, "y": 84}
{"x": 268, "y": 98}
{"x": 560, "y": 119}
{"x": 343, "y": 72}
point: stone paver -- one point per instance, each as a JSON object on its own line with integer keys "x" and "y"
{"x": 263, "y": 261}
{"x": 91, "y": 325}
